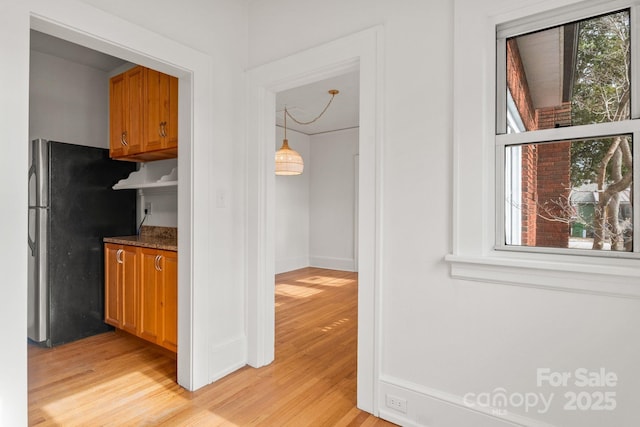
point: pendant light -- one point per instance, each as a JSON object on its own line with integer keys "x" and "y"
{"x": 288, "y": 161}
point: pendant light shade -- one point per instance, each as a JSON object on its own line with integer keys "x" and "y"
{"x": 288, "y": 161}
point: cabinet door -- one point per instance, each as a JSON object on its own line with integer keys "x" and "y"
{"x": 149, "y": 294}
{"x": 135, "y": 103}
{"x": 112, "y": 290}
{"x": 162, "y": 111}
{"x": 126, "y": 112}
{"x": 117, "y": 115}
{"x": 129, "y": 319}
{"x": 170, "y": 90}
{"x": 155, "y": 116}
{"x": 169, "y": 301}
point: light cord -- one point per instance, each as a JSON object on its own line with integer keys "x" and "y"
{"x": 333, "y": 93}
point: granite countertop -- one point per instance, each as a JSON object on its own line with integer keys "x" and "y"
{"x": 165, "y": 238}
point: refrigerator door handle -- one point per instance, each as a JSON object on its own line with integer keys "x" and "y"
{"x": 39, "y": 174}
{"x": 31, "y": 242}
{"x": 38, "y": 290}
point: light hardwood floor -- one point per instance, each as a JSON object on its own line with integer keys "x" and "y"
{"x": 114, "y": 379}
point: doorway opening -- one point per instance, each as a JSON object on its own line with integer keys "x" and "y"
{"x": 316, "y": 282}
{"x": 362, "y": 52}
{"x": 77, "y": 35}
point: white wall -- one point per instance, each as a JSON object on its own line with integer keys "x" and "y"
{"x": 164, "y": 200}
{"x": 332, "y": 201}
{"x": 14, "y": 114}
{"x": 442, "y": 338}
{"x": 292, "y": 208}
{"x": 68, "y": 102}
{"x": 164, "y": 206}
{"x": 314, "y": 212}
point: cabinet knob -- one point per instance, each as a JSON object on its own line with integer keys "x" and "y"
{"x": 123, "y": 138}
{"x": 157, "y": 262}
{"x": 119, "y": 256}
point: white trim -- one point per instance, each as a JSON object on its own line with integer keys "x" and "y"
{"x": 634, "y": 21}
{"x": 440, "y": 405}
{"x": 356, "y": 205}
{"x": 550, "y": 272}
{"x": 332, "y": 263}
{"x": 14, "y": 120}
{"x": 291, "y": 264}
{"x": 555, "y": 16}
{"x": 636, "y": 192}
{"x": 570, "y": 132}
{"x": 361, "y": 50}
{"x": 230, "y": 356}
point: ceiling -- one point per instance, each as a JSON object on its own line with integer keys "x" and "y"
{"x": 51, "y": 45}
{"x": 543, "y": 60}
{"x": 306, "y": 102}
{"x": 303, "y": 102}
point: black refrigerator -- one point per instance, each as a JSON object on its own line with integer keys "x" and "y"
{"x": 72, "y": 206}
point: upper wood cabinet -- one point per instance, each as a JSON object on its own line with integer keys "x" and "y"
{"x": 162, "y": 115}
{"x": 143, "y": 112}
{"x": 126, "y": 113}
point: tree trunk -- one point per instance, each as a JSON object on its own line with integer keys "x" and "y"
{"x": 613, "y": 207}
{"x": 600, "y": 213}
{"x": 608, "y": 207}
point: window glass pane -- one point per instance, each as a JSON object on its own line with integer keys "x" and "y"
{"x": 570, "y": 194}
{"x": 573, "y": 74}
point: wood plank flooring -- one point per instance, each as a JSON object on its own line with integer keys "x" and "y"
{"x": 117, "y": 380}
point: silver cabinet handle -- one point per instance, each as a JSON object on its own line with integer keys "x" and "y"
{"x": 123, "y": 138}
{"x": 157, "y": 262}
{"x": 162, "y": 130}
{"x": 119, "y": 256}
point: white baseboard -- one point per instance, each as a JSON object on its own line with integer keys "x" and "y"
{"x": 427, "y": 407}
{"x": 290, "y": 264}
{"x": 343, "y": 264}
{"x": 228, "y": 357}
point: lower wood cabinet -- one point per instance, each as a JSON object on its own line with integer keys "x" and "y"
{"x": 141, "y": 292}
{"x": 121, "y": 287}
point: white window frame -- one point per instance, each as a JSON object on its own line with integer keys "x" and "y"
{"x": 478, "y": 153}
{"x": 505, "y": 139}
{"x": 513, "y": 175}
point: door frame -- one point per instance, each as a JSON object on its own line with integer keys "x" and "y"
{"x": 87, "y": 26}
{"x": 361, "y": 51}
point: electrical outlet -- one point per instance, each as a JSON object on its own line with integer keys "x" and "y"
{"x": 147, "y": 208}
{"x": 221, "y": 199}
{"x": 397, "y": 403}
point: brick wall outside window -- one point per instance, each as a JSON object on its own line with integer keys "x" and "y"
{"x": 545, "y": 168}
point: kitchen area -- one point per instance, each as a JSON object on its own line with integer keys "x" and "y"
{"x": 102, "y": 197}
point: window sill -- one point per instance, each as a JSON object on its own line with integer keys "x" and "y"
{"x": 609, "y": 277}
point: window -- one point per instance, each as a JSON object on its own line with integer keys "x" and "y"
{"x": 493, "y": 133}
{"x": 564, "y": 137}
